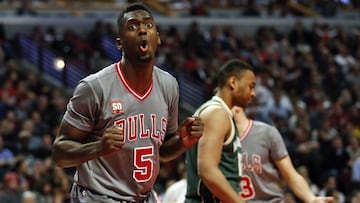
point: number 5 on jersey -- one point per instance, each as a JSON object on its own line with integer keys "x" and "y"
{"x": 143, "y": 163}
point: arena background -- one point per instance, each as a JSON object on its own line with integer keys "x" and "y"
{"x": 47, "y": 46}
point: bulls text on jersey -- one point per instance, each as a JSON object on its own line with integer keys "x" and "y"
{"x": 134, "y": 127}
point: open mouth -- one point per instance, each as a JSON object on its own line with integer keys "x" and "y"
{"x": 144, "y": 46}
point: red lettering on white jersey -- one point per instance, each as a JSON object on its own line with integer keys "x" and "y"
{"x": 154, "y": 133}
{"x": 256, "y": 159}
{"x": 134, "y": 127}
{"x": 246, "y": 165}
{"x": 255, "y": 164}
{"x": 163, "y": 129}
{"x": 144, "y": 132}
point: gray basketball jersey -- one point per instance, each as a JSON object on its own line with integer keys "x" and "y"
{"x": 104, "y": 99}
{"x": 261, "y": 181}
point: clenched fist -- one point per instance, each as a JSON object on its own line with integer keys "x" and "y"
{"x": 190, "y": 131}
{"x": 111, "y": 141}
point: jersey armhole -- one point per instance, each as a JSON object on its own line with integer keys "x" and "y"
{"x": 231, "y": 135}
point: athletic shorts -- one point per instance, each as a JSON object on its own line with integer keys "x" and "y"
{"x": 82, "y": 195}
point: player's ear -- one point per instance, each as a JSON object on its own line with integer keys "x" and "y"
{"x": 118, "y": 43}
{"x": 158, "y": 40}
{"x": 232, "y": 82}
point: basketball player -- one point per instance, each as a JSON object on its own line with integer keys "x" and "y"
{"x": 214, "y": 163}
{"x": 122, "y": 120}
{"x": 267, "y": 167}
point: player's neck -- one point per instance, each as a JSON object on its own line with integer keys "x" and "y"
{"x": 242, "y": 124}
{"x": 139, "y": 70}
{"x": 138, "y": 76}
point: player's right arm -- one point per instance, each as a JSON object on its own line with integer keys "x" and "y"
{"x": 70, "y": 149}
{"x": 217, "y": 126}
{"x": 297, "y": 183}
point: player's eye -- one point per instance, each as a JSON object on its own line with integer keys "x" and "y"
{"x": 132, "y": 27}
{"x": 149, "y": 25}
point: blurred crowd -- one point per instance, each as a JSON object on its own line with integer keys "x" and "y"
{"x": 30, "y": 110}
{"x": 308, "y": 86}
{"x": 257, "y": 8}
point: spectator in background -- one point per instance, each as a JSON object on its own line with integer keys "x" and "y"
{"x": 353, "y": 149}
{"x": 42, "y": 172}
{"x": 305, "y": 151}
{"x": 198, "y": 8}
{"x": 95, "y": 36}
{"x": 355, "y": 196}
{"x": 51, "y": 37}
{"x": 355, "y": 174}
{"x": 333, "y": 82}
{"x": 23, "y": 148}
{"x": 61, "y": 184}
{"x": 200, "y": 72}
{"x": 338, "y": 164}
{"x": 251, "y": 10}
{"x": 344, "y": 60}
{"x": 299, "y": 35}
{"x": 330, "y": 188}
{"x": 194, "y": 41}
{"x": 7, "y": 157}
{"x": 29, "y": 197}
{"x": 325, "y": 34}
{"x": 6, "y": 49}
{"x": 300, "y": 117}
{"x": 213, "y": 37}
{"x": 44, "y": 150}
{"x": 12, "y": 192}
{"x": 278, "y": 106}
{"x": 26, "y": 8}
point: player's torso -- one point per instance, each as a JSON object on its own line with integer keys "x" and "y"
{"x": 256, "y": 147}
{"x": 144, "y": 119}
{"x": 260, "y": 180}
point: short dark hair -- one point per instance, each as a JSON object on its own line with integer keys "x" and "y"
{"x": 129, "y": 8}
{"x": 232, "y": 67}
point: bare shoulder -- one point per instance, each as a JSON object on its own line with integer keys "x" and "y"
{"x": 214, "y": 116}
{"x": 213, "y": 111}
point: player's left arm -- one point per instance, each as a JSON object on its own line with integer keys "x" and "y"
{"x": 188, "y": 133}
{"x": 297, "y": 183}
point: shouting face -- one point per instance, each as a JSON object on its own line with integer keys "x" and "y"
{"x": 138, "y": 36}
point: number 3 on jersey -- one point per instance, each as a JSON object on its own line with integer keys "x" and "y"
{"x": 143, "y": 163}
{"x": 247, "y": 189}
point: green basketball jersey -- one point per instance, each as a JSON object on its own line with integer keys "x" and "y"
{"x": 230, "y": 163}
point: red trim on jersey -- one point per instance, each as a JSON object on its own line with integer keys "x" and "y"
{"x": 123, "y": 79}
{"x": 246, "y": 132}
